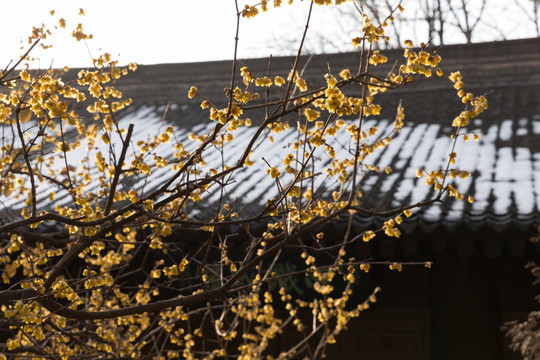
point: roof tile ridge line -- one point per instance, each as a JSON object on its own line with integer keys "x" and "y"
{"x": 497, "y": 45}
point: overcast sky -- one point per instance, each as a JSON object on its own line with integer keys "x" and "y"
{"x": 171, "y": 31}
{"x": 146, "y": 32}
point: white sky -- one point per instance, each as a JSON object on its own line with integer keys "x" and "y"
{"x": 145, "y": 32}
{"x": 172, "y": 31}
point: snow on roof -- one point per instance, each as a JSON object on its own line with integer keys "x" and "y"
{"x": 504, "y": 162}
{"x": 505, "y": 180}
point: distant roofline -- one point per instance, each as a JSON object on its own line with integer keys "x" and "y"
{"x": 458, "y": 50}
{"x": 489, "y": 64}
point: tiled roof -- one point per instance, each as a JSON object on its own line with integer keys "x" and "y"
{"x": 504, "y": 163}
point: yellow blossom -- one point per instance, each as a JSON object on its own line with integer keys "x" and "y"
{"x": 273, "y": 172}
{"x": 278, "y": 81}
{"x": 249, "y": 11}
{"x": 356, "y": 41}
{"x": 25, "y": 75}
{"x": 79, "y": 34}
{"x": 377, "y": 58}
{"x": 365, "y": 267}
{"x": 311, "y": 114}
{"x": 345, "y": 74}
{"x": 368, "y": 235}
{"x": 192, "y": 91}
{"x": 263, "y": 81}
{"x": 301, "y": 84}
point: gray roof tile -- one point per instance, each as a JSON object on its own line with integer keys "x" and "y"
{"x": 504, "y": 163}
